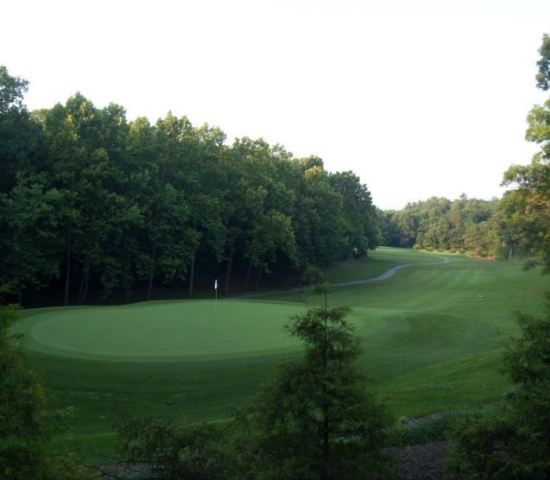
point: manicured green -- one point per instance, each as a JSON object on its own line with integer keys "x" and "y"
{"x": 432, "y": 336}
{"x": 162, "y": 330}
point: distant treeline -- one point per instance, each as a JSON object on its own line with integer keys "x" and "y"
{"x": 92, "y": 202}
{"x": 477, "y": 227}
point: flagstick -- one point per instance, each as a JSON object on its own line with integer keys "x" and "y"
{"x": 216, "y": 300}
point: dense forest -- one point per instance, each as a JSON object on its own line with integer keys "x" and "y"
{"x": 94, "y": 206}
{"x": 514, "y": 226}
{"x": 465, "y": 225}
{"x": 92, "y": 202}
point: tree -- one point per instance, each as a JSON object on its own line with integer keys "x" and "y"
{"x": 20, "y": 136}
{"x": 359, "y": 213}
{"x": 29, "y": 213}
{"x": 24, "y": 431}
{"x": 116, "y": 205}
{"x": 531, "y": 199}
{"x": 543, "y": 75}
{"x": 316, "y": 420}
{"x": 464, "y": 225}
{"x": 322, "y": 226}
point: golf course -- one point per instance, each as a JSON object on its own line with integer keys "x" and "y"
{"x": 432, "y": 334}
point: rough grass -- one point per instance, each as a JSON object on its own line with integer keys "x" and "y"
{"x": 432, "y": 338}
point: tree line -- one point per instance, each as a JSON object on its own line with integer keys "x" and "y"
{"x": 515, "y": 225}
{"x": 518, "y": 224}
{"x": 90, "y": 201}
{"x": 466, "y": 225}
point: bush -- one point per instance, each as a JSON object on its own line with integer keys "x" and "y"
{"x": 515, "y": 441}
{"x": 431, "y": 428}
{"x": 175, "y": 452}
{"x": 24, "y": 429}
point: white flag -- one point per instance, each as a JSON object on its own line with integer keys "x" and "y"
{"x": 216, "y": 284}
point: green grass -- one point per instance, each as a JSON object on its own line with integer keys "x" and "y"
{"x": 162, "y": 330}
{"x": 432, "y": 337}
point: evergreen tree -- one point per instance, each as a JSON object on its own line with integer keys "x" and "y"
{"x": 317, "y": 420}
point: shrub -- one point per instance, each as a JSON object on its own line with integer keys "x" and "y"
{"x": 514, "y": 442}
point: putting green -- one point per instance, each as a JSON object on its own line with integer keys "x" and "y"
{"x": 160, "y": 330}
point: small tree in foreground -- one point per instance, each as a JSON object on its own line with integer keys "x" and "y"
{"x": 316, "y": 420}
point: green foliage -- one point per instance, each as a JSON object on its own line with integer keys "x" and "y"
{"x": 127, "y": 206}
{"x": 30, "y": 214}
{"x": 24, "y": 425}
{"x": 11, "y": 91}
{"x": 465, "y": 225}
{"x": 543, "y": 75}
{"x": 358, "y": 211}
{"x": 477, "y": 448}
{"x": 316, "y": 419}
{"x": 529, "y": 204}
{"x": 513, "y": 442}
{"x": 20, "y": 136}
{"x": 191, "y": 452}
{"x": 427, "y": 429}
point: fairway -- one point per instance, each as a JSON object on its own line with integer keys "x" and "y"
{"x": 432, "y": 337}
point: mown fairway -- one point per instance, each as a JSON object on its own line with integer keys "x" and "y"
{"x": 432, "y": 336}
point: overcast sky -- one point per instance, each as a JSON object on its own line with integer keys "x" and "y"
{"x": 419, "y": 98}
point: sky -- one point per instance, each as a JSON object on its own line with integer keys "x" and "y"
{"x": 417, "y": 97}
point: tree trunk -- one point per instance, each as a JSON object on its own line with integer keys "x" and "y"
{"x": 83, "y": 290}
{"x": 325, "y": 405}
{"x": 229, "y": 266}
{"x": 192, "y": 276}
{"x": 326, "y": 447}
{"x": 67, "y": 275}
{"x": 247, "y": 277}
{"x": 86, "y": 284}
{"x": 151, "y": 273}
{"x": 126, "y": 272}
{"x": 258, "y": 278}
{"x": 150, "y": 282}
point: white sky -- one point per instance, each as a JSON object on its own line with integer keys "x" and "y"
{"x": 419, "y": 98}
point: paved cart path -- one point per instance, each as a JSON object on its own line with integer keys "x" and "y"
{"x": 379, "y": 278}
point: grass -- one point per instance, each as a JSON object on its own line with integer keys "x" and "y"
{"x": 162, "y": 330}
{"x": 432, "y": 337}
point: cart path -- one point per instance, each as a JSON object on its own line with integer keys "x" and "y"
{"x": 379, "y": 278}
